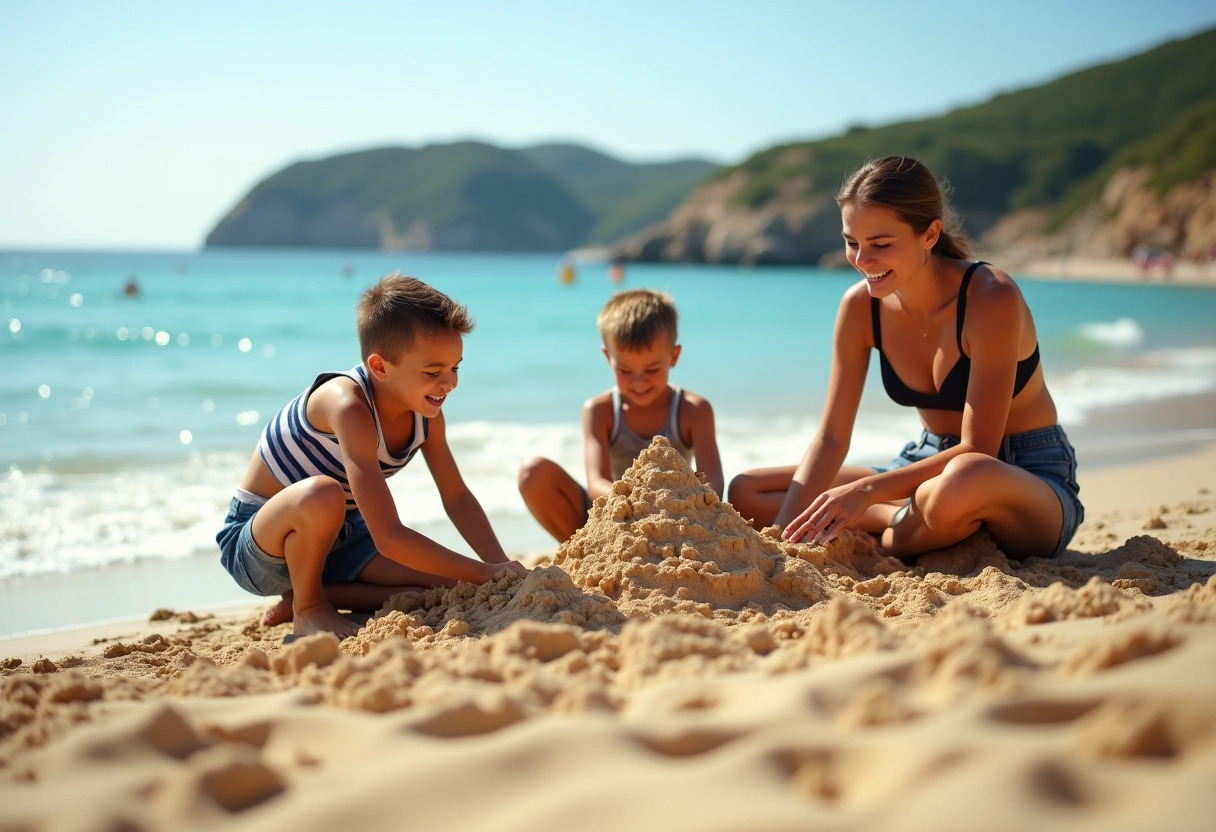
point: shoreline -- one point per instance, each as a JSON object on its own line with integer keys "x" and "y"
{"x": 1111, "y": 270}
{"x": 1160, "y": 430}
{"x": 1170, "y": 476}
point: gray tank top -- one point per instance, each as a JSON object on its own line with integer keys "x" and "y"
{"x": 624, "y": 445}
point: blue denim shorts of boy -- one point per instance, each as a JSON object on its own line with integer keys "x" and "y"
{"x": 263, "y": 574}
{"x": 1045, "y": 452}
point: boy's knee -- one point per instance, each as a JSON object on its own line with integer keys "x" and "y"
{"x": 534, "y": 472}
{"x": 740, "y": 488}
{"x": 323, "y": 499}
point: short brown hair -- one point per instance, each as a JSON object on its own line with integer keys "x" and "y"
{"x": 634, "y": 319}
{"x": 398, "y": 310}
{"x": 910, "y": 189}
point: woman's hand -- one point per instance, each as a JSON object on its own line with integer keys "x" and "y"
{"x": 829, "y": 514}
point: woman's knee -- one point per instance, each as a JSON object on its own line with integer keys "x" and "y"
{"x": 967, "y": 483}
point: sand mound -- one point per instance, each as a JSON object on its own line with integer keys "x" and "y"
{"x": 662, "y": 542}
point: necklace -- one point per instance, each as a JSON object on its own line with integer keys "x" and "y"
{"x": 924, "y": 330}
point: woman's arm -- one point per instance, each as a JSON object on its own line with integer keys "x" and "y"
{"x": 851, "y": 342}
{"x": 992, "y": 336}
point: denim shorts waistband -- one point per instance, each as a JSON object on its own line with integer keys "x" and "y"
{"x": 1029, "y": 440}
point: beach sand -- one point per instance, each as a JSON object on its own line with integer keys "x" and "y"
{"x": 669, "y": 668}
{"x": 1114, "y": 270}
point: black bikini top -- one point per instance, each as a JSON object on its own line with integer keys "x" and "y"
{"x": 953, "y": 392}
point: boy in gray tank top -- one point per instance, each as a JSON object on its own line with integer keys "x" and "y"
{"x": 638, "y": 329}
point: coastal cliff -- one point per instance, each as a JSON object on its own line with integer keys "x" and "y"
{"x": 1099, "y": 162}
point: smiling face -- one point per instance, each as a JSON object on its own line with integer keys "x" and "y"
{"x": 641, "y": 374}
{"x": 884, "y": 248}
{"x": 421, "y": 379}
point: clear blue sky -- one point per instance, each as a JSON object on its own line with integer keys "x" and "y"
{"x": 139, "y": 124}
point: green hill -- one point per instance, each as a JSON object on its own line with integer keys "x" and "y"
{"x": 1181, "y": 152}
{"x": 624, "y": 197}
{"x": 1037, "y": 148}
{"x": 1020, "y": 149}
{"x": 461, "y": 196}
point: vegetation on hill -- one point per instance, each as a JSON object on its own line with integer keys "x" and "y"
{"x": 1019, "y": 150}
{"x": 465, "y": 195}
{"x": 622, "y": 196}
{"x": 1181, "y": 152}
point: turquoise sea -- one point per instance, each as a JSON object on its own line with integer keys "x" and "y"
{"x": 125, "y": 421}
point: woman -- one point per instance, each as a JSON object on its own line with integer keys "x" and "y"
{"x": 957, "y": 342}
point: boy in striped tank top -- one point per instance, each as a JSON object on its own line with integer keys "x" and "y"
{"x": 313, "y": 519}
{"x": 638, "y": 329}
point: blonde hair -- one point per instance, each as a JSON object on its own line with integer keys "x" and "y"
{"x": 636, "y": 318}
{"x": 398, "y": 310}
{"x": 910, "y": 189}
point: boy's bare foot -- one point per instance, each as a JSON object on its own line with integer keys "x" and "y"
{"x": 280, "y": 613}
{"x": 323, "y": 618}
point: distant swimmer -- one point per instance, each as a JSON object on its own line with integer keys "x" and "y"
{"x": 565, "y": 272}
{"x": 131, "y": 289}
{"x": 616, "y": 272}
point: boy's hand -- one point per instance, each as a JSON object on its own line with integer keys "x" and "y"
{"x": 501, "y": 570}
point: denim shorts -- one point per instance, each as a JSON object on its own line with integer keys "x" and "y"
{"x": 263, "y": 574}
{"x": 1045, "y": 452}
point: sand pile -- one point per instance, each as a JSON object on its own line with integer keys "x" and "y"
{"x": 698, "y": 672}
{"x": 662, "y": 542}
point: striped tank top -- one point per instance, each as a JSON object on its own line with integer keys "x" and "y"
{"x": 294, "y": 450}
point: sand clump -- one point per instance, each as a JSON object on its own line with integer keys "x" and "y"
{"x": 667, "y": 631}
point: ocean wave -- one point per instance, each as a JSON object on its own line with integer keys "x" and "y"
{"x": 1125, "y": 332}
{"x": 1154, "y": 376}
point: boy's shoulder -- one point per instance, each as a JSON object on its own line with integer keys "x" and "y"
{"x": 599, "y": 400}
{"x": 695, "y": 409}
{"x": 336, "y": 399}
{"x": 693, "y": 398}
